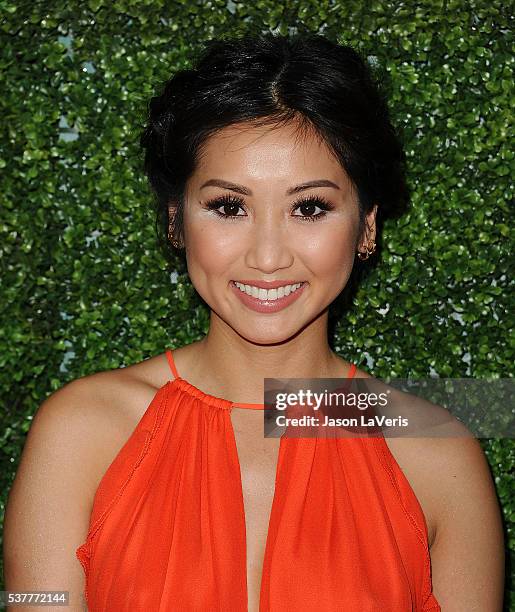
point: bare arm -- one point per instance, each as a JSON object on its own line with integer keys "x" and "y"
{"x": 467, "y": 556}
{"x": 49, "y": 504}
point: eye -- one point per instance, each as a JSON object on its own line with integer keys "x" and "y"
{"x": 308, "y": 204}
{"x": 230, "y": 203}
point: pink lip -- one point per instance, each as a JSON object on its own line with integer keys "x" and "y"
{"x": 267, "y": 305}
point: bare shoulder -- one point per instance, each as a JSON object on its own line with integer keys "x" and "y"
{"x": 102, "y": 409}
{"x": 98, "y": 407}
{"x": 74, "y": 435}
{"x": 120, "y": 393}
{"x": 425, "y": 455}
{"x": 450, "y": 476}
{"x": 467, "y": 552}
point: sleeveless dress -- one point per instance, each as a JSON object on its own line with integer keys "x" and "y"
{"x": 167, "y": 529}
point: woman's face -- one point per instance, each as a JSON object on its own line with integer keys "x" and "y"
{"x": 276, "y": 230}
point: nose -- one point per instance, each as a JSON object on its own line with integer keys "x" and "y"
{"x": 269, "y": 248}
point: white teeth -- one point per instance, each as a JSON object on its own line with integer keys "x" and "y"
{"x": 267, "y": 294}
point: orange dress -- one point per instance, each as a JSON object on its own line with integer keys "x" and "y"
{"x": 167, "y": 530}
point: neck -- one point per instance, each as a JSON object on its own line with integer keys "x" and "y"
{"x": 227, "y": 365}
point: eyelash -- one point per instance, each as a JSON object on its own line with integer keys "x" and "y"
{"x": 230, "y": 200}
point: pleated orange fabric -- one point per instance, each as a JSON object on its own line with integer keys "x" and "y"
{"x": 167, "y": 529}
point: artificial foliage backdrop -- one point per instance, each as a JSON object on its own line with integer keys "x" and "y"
{"x": 83, "y": 284}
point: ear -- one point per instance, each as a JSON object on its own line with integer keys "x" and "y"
{"x": 370, "y": 229}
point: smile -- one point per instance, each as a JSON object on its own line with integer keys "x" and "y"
{"x": 267, "y": 300}
{"x": 267, "y": 294}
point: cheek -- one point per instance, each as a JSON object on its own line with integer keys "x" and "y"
{"x": 330, "y": 254}
{"x": 209, "y": 249}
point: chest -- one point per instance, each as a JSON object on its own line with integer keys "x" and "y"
{"x": 258, "y": 463}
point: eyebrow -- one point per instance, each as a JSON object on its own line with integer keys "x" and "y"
{"x": 244, "y": 191}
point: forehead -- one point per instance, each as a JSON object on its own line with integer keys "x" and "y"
{"x": 268, "y": 153}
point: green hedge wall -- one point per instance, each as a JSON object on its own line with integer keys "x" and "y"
{"x": 83, "y": 285}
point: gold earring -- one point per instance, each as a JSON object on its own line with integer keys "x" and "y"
{"x": 369, "y": 249}
{"x": 171, "y": 229}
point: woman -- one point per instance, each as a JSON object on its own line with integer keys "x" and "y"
{"x": 273, "y": 162}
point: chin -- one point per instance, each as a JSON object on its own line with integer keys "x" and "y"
{"x": 275, "y": 333}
